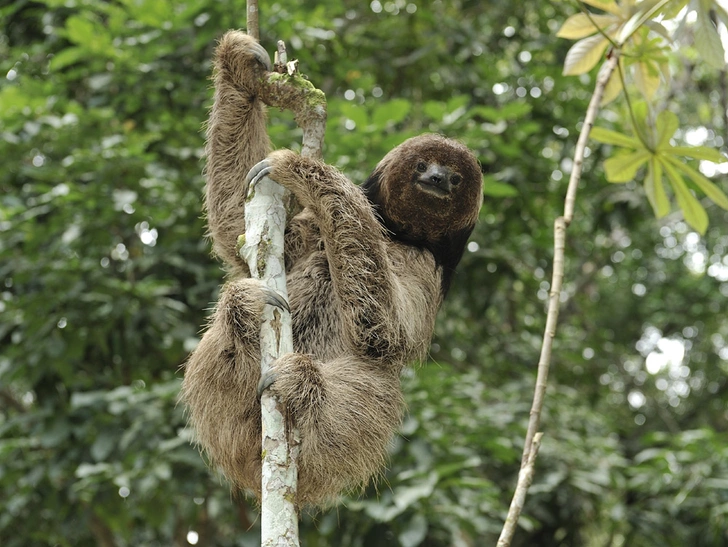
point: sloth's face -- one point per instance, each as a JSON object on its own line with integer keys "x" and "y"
{"x": 435, "y": 179}
{"x": 427, "y": 188}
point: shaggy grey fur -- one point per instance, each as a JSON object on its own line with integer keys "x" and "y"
{"x": 363, "y": 300}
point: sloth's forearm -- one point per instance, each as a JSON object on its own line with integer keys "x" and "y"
{"x": 236, "y": 139}
{"x": 355, "y": 246}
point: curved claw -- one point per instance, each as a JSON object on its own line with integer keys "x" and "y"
{"x": 261, "y": 55}
{"x": 258, "y": 172}
{"x": 275, "y": 299}
{"x": 266, "y": 380}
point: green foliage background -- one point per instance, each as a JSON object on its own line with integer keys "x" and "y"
{"x": 106, "y": 278}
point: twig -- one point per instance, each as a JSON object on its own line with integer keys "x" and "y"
{"x": 533, "y": 437}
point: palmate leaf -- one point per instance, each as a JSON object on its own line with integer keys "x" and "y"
{"x": 622, "y": 167}
{"x": 643, "y": 14}
{"x": 715, "y": 194}
{"x": 580, "y": 25}
{"x": 693, "y": 212}
{"x": 699, "y": 153}
{"x": 607, "y": 136}
{"x": 707, "y": 40}
{"x": 647, "y": 78}
{"x": 612, "y": 89}
{"x": 606, "y": 5}
{"x": 584, "y": 55}
{"x": 665, "y": 127}
{"x": 654, "y": 188}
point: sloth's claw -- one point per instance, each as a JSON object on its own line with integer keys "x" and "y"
{"x": 266, "y": 380}
{"x": 258, "y": 172}
{"x": 274, "y": 299}
{"x": 261, "y": 55}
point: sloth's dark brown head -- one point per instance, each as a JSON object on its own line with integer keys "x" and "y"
{"x": 428, "y": 192}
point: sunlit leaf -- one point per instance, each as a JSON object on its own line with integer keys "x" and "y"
{"x": 655, "y": 190}
{"x": 642, "y": 122}
{"x": 699, "y": 153}
{"x": 665, "y": 127}
{"x": 673, "y": 8}
{"x": 606, "y": 5}
{"x": 393, "y": 111}
{"x": 607, "y": 136}
{"x": 89, "y": 33}
{"x": 706, "y": 186}
{"x": 499, "y": 189}
{"x": 647, "y": 78}
{"x": 693, "y": 212}
{"x": 514, "y": 110}
{"x": 636, "y": 21}
{"x": 707, "y": 41}
{"x": 68, "y": 56}
{"x": 612, "y": 89}
{"x": 580, "y": 25}
{"x": 437, "y": 109}
{"x": 584, "y": 55}
{"x": 623, "y": 167}
{"x": 659, "y": 29}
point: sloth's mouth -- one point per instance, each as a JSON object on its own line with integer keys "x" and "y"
{"x": 432, "y": 189}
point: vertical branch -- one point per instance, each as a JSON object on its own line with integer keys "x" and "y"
{"x": 265, "y": 223}
{"x": 263, "y": 250}
{"x": 252, "y": 18}
{"x": 533, "y": 437}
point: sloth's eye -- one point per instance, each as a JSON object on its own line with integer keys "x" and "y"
{"x": 456, "y": 179}
{"x": 421, "y": 167}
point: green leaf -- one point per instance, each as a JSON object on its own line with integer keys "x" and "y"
{"x": 391, "y": 112}
{"x": 642, "y": 122}
{"x": 584, "y": 55}
{"x": 706, "y": 186}
{"x": 355, "y": 113}
{"x": 672, "y": 9}
{"x": 612, "y": 89}
{"x": 707, "y": 41}
{"x": 623, "y": 167}
{"x": 693, "y": 212}
{"x": 607, "y": 136}
{"x": 436, "y": 110}
{"x": 580, "y": 26}
{"x": 633, "y": 24}
{"x": 155, "y": 13}
{"x": 699, "y": 153}
{"x": 606, "y": 5}
{"x": 514, "y": 110}
{"x": 654, "y": 188}
{"x": 499, "y": 189}
{"x": 666, "y": 125}
{"x": 89, "y": 34}
{"x": 647, "y": 78}
{"x": 68, "y": 56}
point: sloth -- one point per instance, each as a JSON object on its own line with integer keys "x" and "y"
{"x": 367, "y": 269}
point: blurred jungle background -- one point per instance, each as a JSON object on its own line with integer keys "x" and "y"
{"x": 105, "y": 280}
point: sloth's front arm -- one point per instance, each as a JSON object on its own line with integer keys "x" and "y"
{"x": 356, "y": 248}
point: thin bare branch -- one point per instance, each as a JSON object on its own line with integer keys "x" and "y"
{"x": 533, "y": 437}
{"x": 252, "y": 18}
